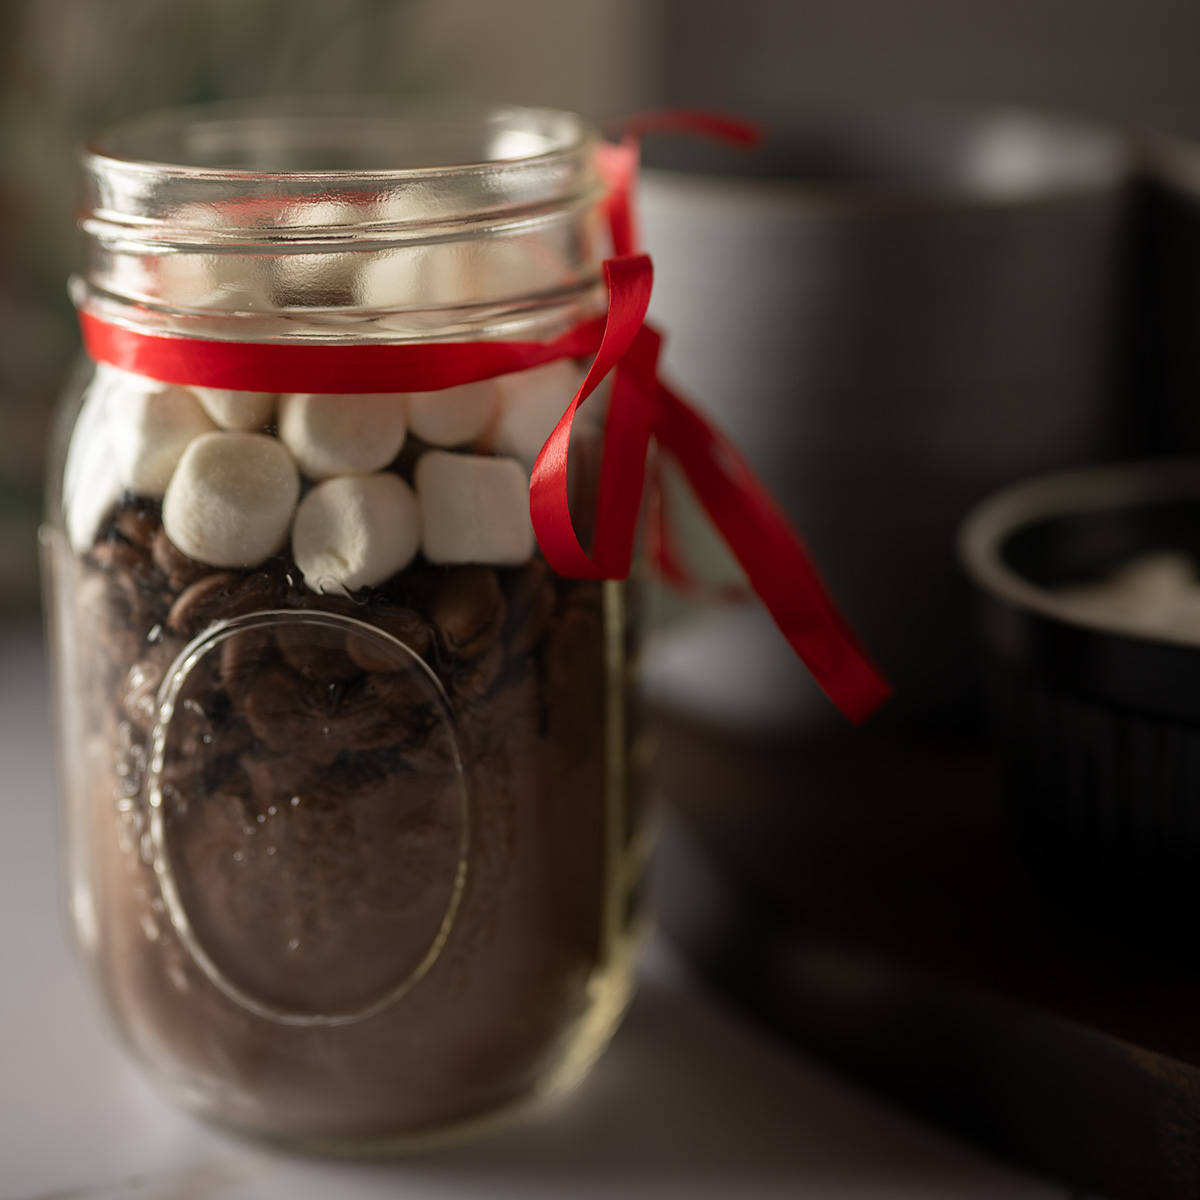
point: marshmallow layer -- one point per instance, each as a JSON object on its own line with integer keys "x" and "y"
{"x": 231, "y": 500}
{"x": 342, "y": 435}
{"x": 244, "y": 411}
{"x": 150, "y": 424}
{"x": 453, "y": 416}
{"x": 473, "y": 509}
{"x": 91, "y": 481}
{"x": 530, "y": 405}
{"x": 355, "y": 531}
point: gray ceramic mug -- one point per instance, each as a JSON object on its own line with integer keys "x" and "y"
{"x": 892, "y": 317}
{"x": 1164, "y": 417}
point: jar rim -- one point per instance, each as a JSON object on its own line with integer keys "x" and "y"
{"x": 353, "y": 207}
{"x": 162, "y": 142}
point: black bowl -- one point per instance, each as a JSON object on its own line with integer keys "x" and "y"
{"x": 1097, "y": 718}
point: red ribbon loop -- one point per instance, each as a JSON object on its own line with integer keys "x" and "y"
{"x": 626, "y": 439}
{"x": 618, "y": 162}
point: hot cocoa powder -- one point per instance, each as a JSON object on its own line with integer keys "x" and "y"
{"x": 346, "y": 828}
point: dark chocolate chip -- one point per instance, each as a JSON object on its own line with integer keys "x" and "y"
{"x": 315, "y": 652}
{"x": 116, "y": 555}
{"x": 180, "y": 570}
{"x": 333, "y": 602}
{"x": 220, "y": 596}
{"x": 404, "y": 624}
{"x": 254, "y": 593}
{"x": 384, "y": 710}
{"x": 532, "y": 600}
{"x": 468, "y": 607}
{"x": 242, "y": 655}
{"x": 201, "y": 603}
{"x": 138, "y": 525}
{"x": 473, "y": 681}
{"x": 284, "y": 716}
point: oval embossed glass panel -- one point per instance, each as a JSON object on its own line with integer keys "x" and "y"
{"x": 309, "y": 813}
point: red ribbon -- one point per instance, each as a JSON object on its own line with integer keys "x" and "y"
{"x": 336, "y": 369}
{"x": 641, "y": 407}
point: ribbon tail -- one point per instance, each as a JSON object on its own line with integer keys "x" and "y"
{"x": 663, "y": 549}
{"x": 774, "y": 557}
{"x": 618, "y": 165}
{"x": 704, "y": 122}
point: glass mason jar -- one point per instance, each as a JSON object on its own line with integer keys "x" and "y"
{"x": 351, "y": 836}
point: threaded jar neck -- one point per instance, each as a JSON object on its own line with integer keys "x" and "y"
{"x": 342, "y": 218}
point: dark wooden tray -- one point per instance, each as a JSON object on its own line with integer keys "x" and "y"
{"x": 861, "y": 900}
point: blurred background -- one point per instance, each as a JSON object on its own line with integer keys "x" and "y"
{"x": 950, "y": 268}
{"x": 946, "y": 271}
{"x": 68, "y": 67}
{"x": 969, "y": 253}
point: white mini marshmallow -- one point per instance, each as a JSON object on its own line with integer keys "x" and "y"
{"x": 193, "y": 277}
{"x": 342, "y": 435}
{"x": 473, "y": 509}
{"x": 91, "y": 482}
{"x": 150, "y": 425}
{"x": 231, "y": 500}
{"x": 355, "y": 531}
{"x": 453, "y": 416}
{"x": 243, "y": 411}
{"x": 531, "y": 404}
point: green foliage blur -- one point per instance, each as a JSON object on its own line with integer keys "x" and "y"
{"x": 70, "y": 67}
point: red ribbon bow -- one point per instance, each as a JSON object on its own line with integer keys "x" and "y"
{"x": 641, "y": 407}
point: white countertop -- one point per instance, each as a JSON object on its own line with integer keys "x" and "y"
{"x": 688, "y": 1102}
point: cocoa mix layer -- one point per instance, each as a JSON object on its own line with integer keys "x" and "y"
{"x": 345, "y": 826}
